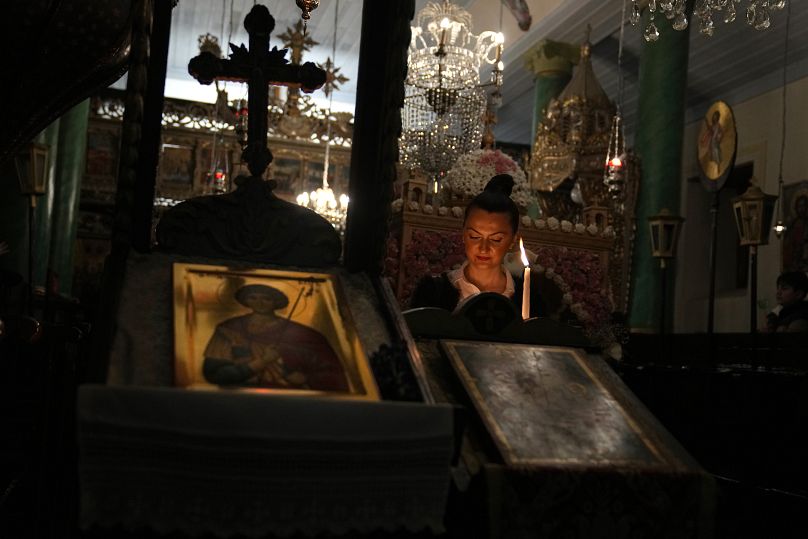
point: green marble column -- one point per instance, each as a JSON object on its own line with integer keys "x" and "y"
{"x": 71, "y": 152}
{"x": 660, "y": 129}
{"x": 551, "y": 62}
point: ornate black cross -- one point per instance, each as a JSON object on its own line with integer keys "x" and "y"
{"x": 259, "y": 67}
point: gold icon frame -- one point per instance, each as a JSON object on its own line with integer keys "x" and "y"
{"x": 204, "y": 296}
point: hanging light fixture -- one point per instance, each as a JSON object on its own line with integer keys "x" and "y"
{"x": 614, "y": 173}
{"x": 218, "y": 174}
{"x": 758, "y": 14}
{"x": 445, "y": 102}
{"x": 780, "y": 226}
{"x": 323, "y": 200}
{"x": 306, "y": 7}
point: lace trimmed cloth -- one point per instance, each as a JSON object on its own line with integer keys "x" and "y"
{"x": 227, "y": 463}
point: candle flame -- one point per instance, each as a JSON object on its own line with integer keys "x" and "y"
{"x": 524, "y": 256}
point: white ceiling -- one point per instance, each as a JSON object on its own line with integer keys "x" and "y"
{"x": 734, "y": 65}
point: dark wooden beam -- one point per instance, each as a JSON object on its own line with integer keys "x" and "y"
{"x": 151, "y": 128}
{"x": 377, "y": 126}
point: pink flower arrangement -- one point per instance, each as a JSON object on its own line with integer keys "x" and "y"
{"x": 471, "y": 172}
{"x": 502, "y": 163}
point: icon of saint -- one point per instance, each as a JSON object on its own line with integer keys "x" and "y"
{"x": 711, "y": 139}
{"x": 264, "y": 349}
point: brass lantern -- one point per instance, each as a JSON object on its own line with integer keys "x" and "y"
{"x": 753, "y": 215}
{"x": 31, "y": 163}
{"x": 665, "y": 229}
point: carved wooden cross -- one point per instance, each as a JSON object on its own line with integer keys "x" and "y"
{"x": 259, "y": 67}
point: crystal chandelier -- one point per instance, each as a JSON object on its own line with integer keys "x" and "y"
{"x": 323, "y": 200}
{"x": 445, "y": 102}
{"x": 757, "y": 14}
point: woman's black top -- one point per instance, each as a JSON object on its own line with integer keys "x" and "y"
{"x": 438, "y": 291}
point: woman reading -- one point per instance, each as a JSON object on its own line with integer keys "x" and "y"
{"x": 490, "y": 230}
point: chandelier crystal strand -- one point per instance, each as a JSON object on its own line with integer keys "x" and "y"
{"x": 635, "y": 12}
{"x": 758, "y": 14}
{"x": 651, "y": 31}
{"x": 780, "y": 226}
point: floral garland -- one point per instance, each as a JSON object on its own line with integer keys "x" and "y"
{"x": 580, "y": 276}
{"x": 471, "y": 172}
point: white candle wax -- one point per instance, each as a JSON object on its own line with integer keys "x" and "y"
{"x": 526, "y": 295}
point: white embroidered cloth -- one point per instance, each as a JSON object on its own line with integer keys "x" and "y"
{"x": 227, "y": 463}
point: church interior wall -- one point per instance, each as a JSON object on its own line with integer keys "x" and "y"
{"x": 759, "y": 128}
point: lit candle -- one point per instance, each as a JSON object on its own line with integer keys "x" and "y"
{"x": 444, "y": 24}
{"x": 499, "y": 39}
{"x": 526, "y": 285}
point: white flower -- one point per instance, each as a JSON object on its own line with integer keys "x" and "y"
{"x": 457, "y": 211}
{"x": 443, "y": 210}
{"x": 552, "y": 223}
{"x": 608, "y": 232}
{"x": 566, "y": 226}
{"x": 592, "y": 229}
{"x": 580, "y": 228}
{"x": 472, "y": 171}
{"x": 413, "y": 205}
{"x": 428, "y": 208}
{"x": 540, "y": 223}
{"x": 526, "y": 221}
{"x": 397, "y": 204}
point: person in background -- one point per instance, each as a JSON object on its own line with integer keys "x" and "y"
{"x": 792, "y": 312}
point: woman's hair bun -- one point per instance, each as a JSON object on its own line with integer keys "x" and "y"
{"x": 501, "y": 183}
